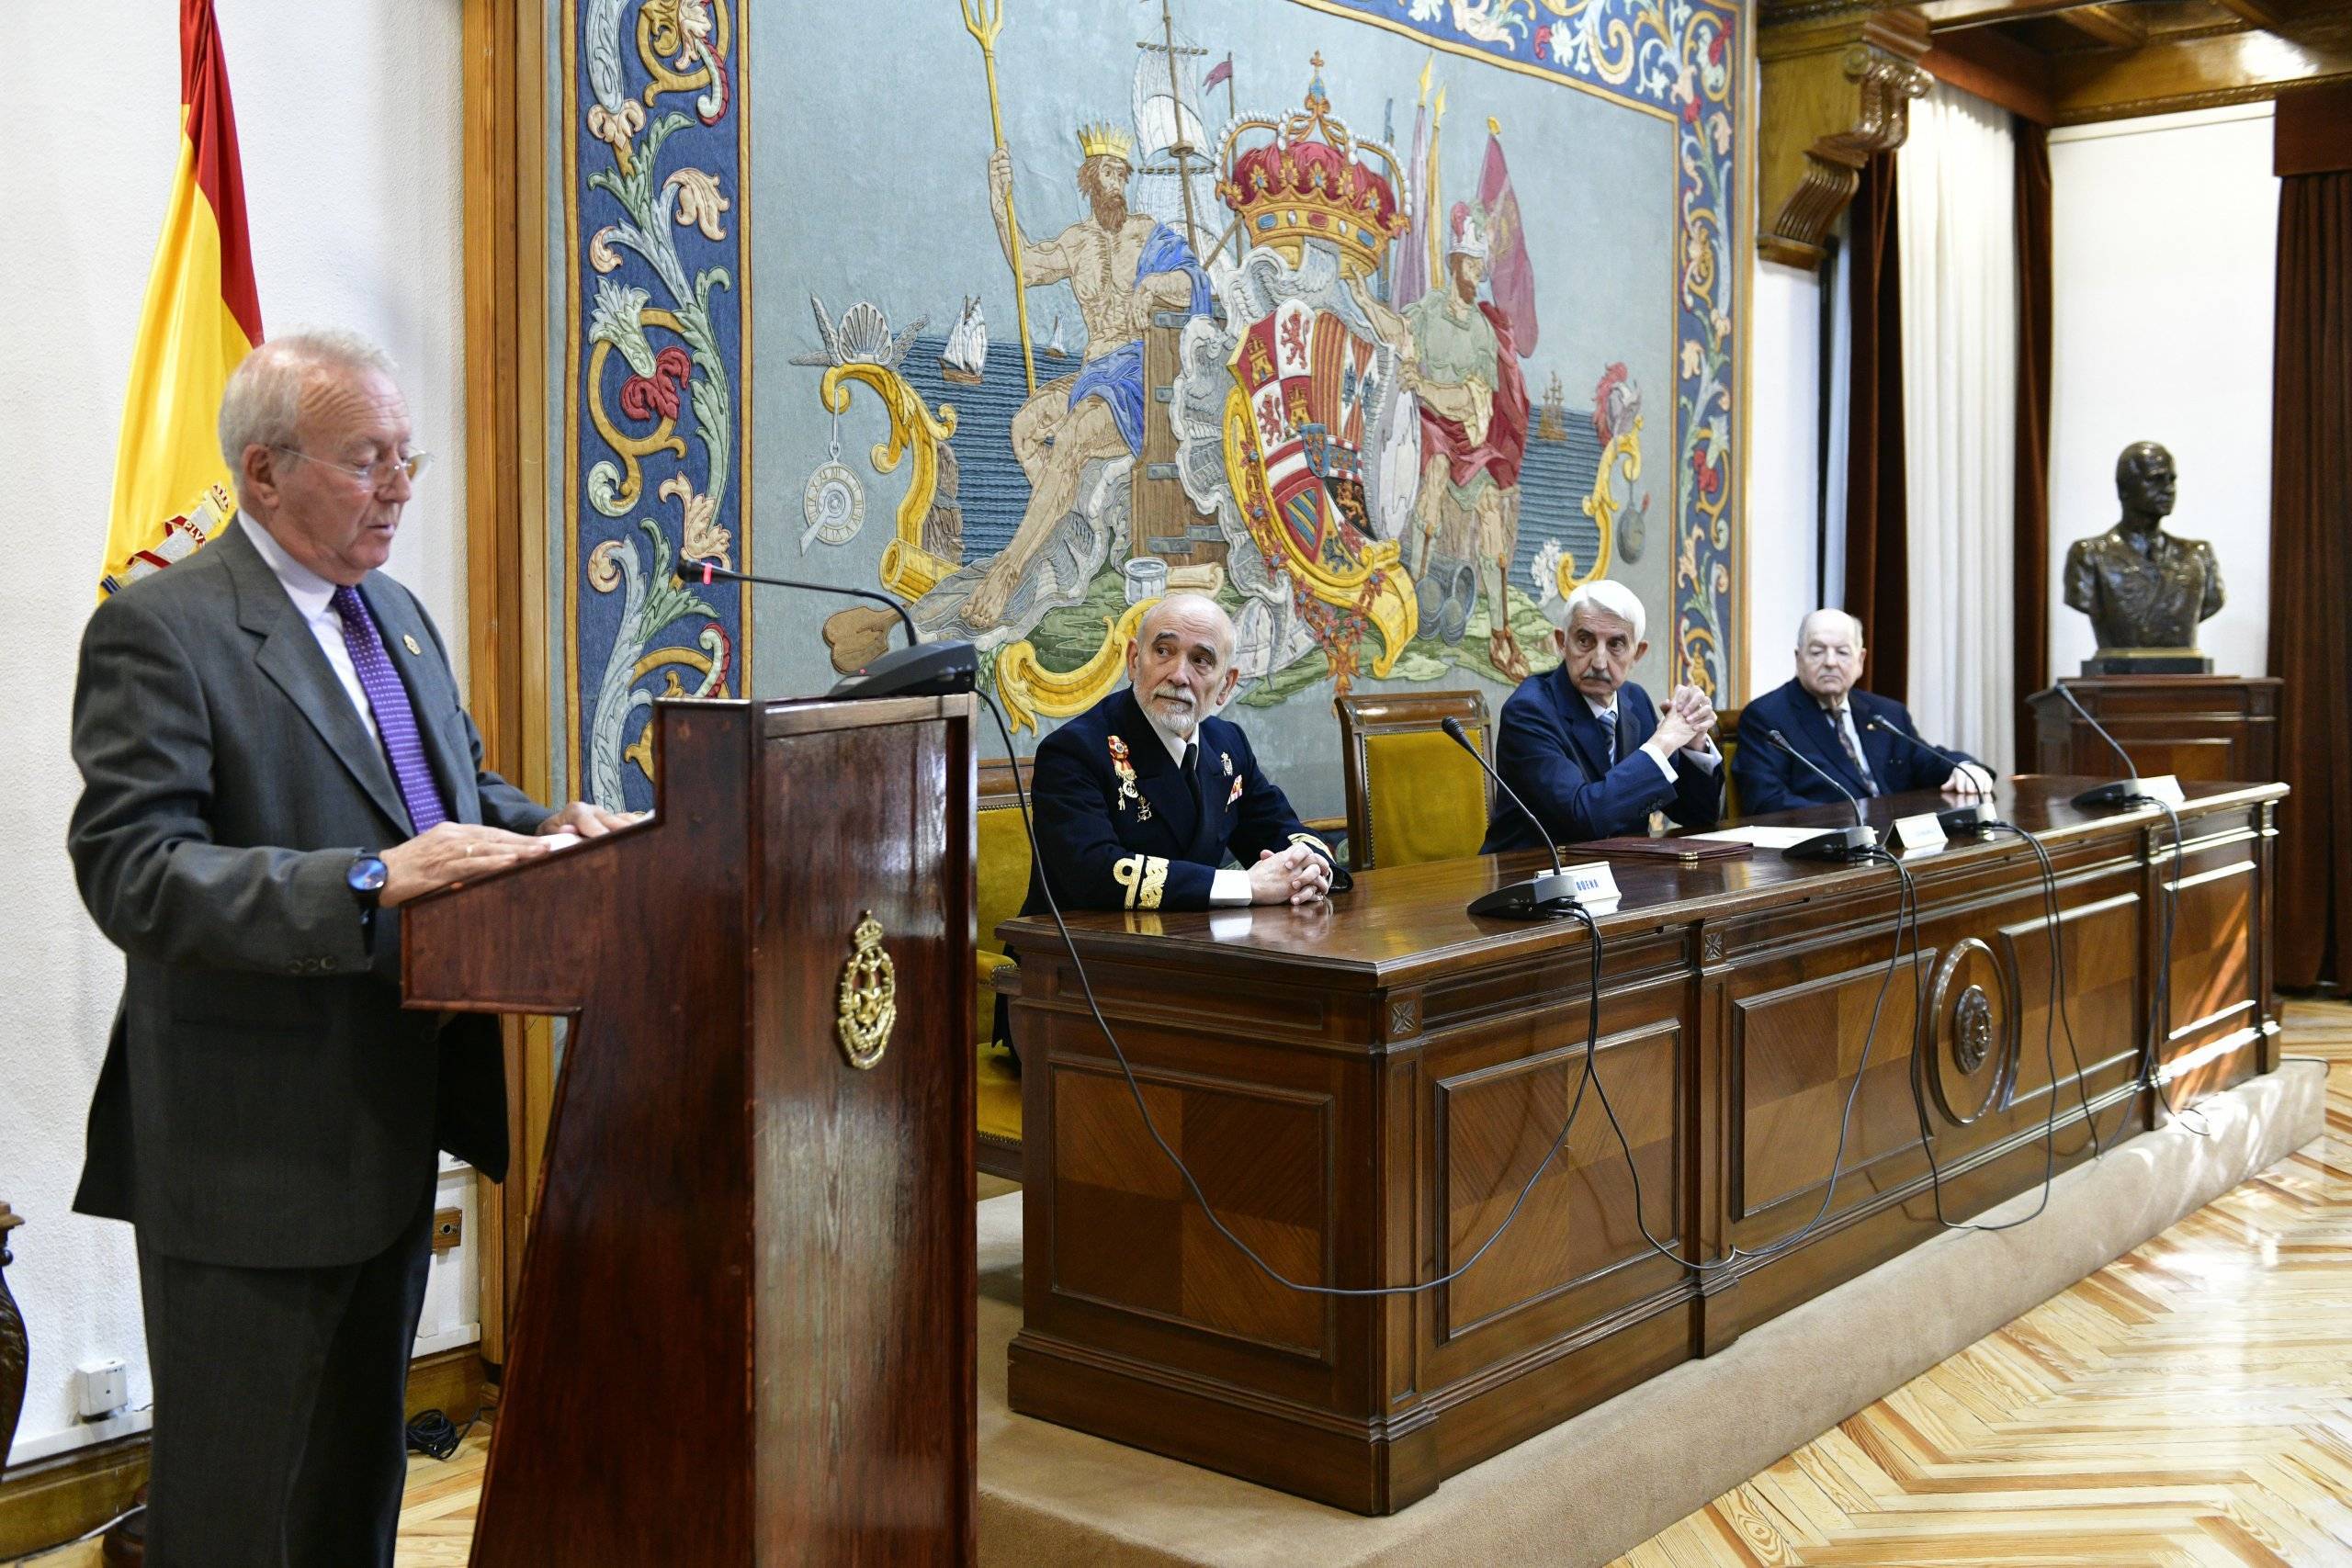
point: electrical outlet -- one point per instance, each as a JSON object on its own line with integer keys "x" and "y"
{"x": 102, "y": 1387}
{"x": 448, "y": 1229}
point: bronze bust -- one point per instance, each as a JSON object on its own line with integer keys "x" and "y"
{"x": 2144, "y": 591}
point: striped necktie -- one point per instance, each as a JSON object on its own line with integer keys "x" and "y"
{"x": 1608, "y": 718}
{"x": 1841, "y": 720}
{"x": 395, "y": 719}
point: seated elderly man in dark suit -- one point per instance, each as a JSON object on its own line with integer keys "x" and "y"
{"x": 1821, "y": 715}
{"x": 1142, "y": 797}
{"x": 1586, "y": 750}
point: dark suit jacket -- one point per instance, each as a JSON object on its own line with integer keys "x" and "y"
{"x": 265, "y": 1100}
{"x": 1770, "y": 780}
{"x": 1550, "y": 748}
{"x": 1107, "y": 848}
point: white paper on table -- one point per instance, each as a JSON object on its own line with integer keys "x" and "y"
{"x": 1764, "y": 836}
{"x": 562, "y": 840}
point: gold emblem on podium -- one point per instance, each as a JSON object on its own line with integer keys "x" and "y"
{"x": 870, "y": 997}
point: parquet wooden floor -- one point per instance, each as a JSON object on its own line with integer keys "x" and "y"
{"x": 2190, "y": 1404}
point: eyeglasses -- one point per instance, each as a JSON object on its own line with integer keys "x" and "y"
{"x": 375, "y": 476}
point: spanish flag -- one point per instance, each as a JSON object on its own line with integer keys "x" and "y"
{"x": 202, "y": 315}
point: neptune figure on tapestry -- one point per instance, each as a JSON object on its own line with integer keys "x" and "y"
{"x": 1300, "y": 390}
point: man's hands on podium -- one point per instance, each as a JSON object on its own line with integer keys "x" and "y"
{"x": 455, "y": 851}
{"x": 1687, "y": 720}
{"x": 1294, "y": 876}
{"x": 1968, "y": 779}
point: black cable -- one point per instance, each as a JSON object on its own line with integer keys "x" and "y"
{"x": 1837, "y": 1159}
{"x": 430, "y": 1432}
{"x": 1190, "y": 1183}
{"x": 2150, "y": 1076}
{"x": 2059, "y": 987}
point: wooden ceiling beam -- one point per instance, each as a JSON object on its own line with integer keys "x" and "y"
{"x": 2108, "y": 24}
{"x": 2269, "y": 15}
{"x": 2165, "y": 75}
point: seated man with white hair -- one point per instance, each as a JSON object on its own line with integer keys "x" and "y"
{"x": 1142, "y": 797}
{"x": 1586, "y": 750}
{"x": 1821, "y": 715}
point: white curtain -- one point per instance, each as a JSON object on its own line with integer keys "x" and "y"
{"x": 1956, "y": 185}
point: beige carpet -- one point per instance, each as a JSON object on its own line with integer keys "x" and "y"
{"x": 1607, "y": 1481}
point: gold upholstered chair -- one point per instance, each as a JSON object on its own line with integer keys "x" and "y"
{"x": 1002, "y": 882}
{"x": 1412, "y": 795}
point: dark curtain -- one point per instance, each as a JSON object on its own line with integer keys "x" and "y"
{"x": 2311, "y": 534}
{"x": 1877, "y": 559}
{"x": 2031, "y": 605}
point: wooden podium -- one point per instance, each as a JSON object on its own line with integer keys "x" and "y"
{"x": 746, "y": 1328}
{"x": 2210, "y": 728}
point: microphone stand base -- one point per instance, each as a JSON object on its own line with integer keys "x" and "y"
{"x": 2120, "y": 792}
{"x": 1546, "y": 898}
{"x": 928, "y": 668}
{"x": 1840, "y": 844}
{"x": 1972, "y": 821}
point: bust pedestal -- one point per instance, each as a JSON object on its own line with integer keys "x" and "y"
{"x": 2195, "y": 727}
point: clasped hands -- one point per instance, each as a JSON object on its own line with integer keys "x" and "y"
{"x": 455, "y": 851}
{"x": 1294, "y": 876}
{"x": 1687, "y": 720}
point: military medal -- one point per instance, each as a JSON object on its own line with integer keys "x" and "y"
{"x": 1124, "y": 767}
{"x": 1235, "y": 795}
{"x": 1227, "y": 758}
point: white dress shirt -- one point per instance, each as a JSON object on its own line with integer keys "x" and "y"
{"x": 1229, "y": 885}
{"x": 313, "y": 596}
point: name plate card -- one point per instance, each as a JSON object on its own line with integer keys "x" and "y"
{"x": 2164, "y": 787}
{"x": 1596, "y": 885}
{"x": 1920, "y": 835}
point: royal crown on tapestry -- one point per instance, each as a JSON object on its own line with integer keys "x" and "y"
{"x": 1307, "y": 183}
{"x": 1106, "y": 141}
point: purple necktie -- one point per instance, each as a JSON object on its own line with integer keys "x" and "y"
{"x": 395, "y": 719}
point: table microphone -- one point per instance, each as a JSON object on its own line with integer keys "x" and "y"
{"x": 1546, "y": 898}
{"x": 1839, "y": 843}
{"x": 2125, "y": 791}
{"x": 920, "y": 668}
{"x": 1976, "y": 817}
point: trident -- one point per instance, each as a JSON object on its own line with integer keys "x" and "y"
{"x": 984, "y": 24}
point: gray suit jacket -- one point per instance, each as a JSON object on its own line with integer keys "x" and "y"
{"x": 265, "y": 1100}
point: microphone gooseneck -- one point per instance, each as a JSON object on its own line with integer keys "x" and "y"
{"x": 1856, "y": 842}
{"x": 1452, "y": 727}
{"x": 711, "y": 571}
{"x": 2125, "y": 791}
{"x": 1972, "y": 817}
{"x": 1548, "y": 897}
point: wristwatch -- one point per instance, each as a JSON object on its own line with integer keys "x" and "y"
{"x": 366, "y": 879}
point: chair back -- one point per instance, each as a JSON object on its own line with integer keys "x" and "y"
{"x": 1727, "y": 742}
{"x": 1001, "y": 883}
{"x": 1412, "y": 795}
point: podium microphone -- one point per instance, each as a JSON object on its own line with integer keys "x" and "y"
{"x": 2125, "y": 791}
{"x": 1857, "y": 843}
{"x": 1549, "y": 898}
{"x": 1977, "y": 815}
{"x": 918, "y": 669}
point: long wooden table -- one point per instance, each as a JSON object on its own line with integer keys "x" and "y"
{"x": 1362, "y": 1089}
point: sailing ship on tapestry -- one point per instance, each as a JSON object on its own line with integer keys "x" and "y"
{"x": 1304, "y": 328}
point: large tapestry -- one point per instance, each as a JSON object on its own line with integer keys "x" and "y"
{"x": 1383, "y": 322}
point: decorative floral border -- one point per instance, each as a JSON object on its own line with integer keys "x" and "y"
{"x": 657, "y": 311}
{"x": 1680, "y": 57}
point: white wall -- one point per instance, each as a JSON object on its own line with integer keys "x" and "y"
{"x": 2163, "y": 243}
{"x": 1783, "y": 474}
{"x": 347, "y": 116}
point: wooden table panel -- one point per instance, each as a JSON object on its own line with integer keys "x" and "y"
{"x": 1383, "y": 1072}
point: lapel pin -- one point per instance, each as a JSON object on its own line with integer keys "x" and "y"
{"x": 410, "y": 643}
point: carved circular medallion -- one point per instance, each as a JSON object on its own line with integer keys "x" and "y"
{"x": 1971, "y": 1029}
{"x": 1973, "y": 1012}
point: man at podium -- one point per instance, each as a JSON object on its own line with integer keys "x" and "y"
{"x": 1141, "y": 797}
{"x": 1586, "y": 748}
{"x": 274, "y": 758}
{"x": 1843, "y": 731}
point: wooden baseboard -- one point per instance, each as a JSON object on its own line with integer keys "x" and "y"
{"x": 49, "y": 1501}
